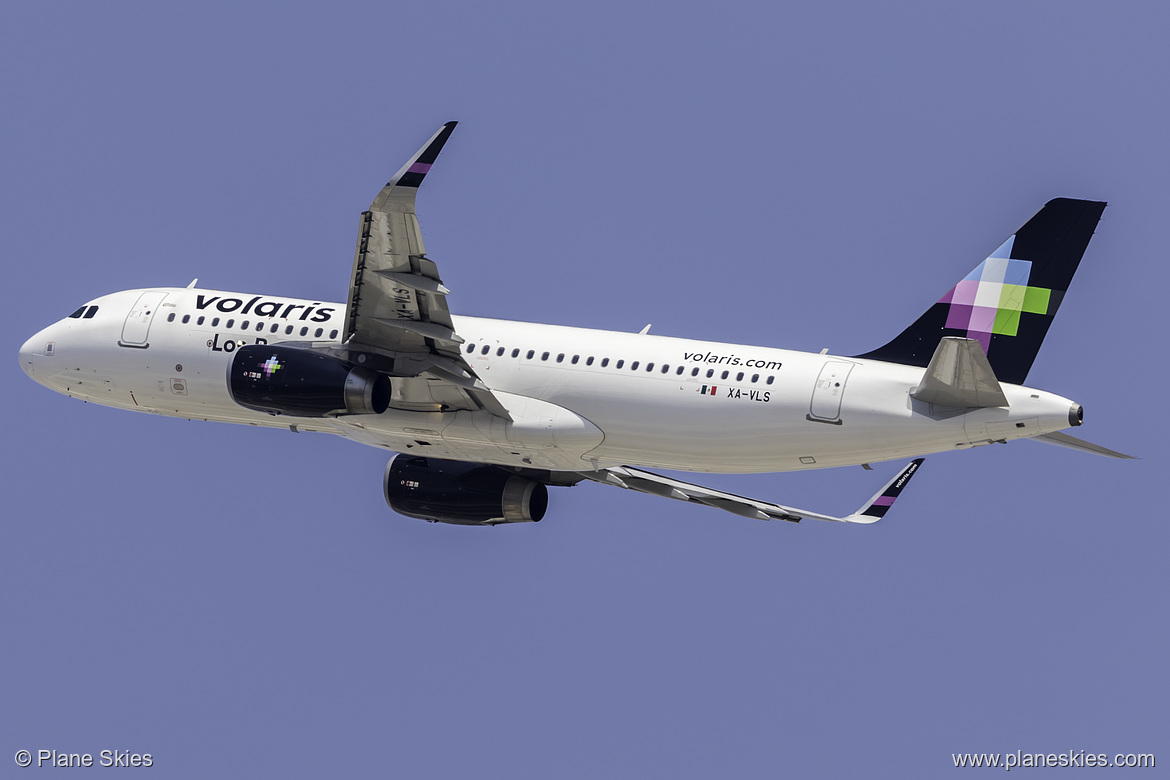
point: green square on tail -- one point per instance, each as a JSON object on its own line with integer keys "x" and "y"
{"x": 1036, "y": 300}
{"x": 1012, "y": 297}
{"x": 1007, "y": 322}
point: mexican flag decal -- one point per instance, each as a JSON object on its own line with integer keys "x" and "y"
{"x": 707, "y": 390}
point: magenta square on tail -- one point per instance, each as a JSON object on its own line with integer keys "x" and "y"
{"x": 965, "y": 292}
{"x": 982, "y": 318}
{"x": 959, "y": 316}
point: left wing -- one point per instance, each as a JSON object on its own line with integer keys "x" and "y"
{"x": 396, "y": 299}
{"x": 658, "y": 485}
{"x": 398, "y": 304}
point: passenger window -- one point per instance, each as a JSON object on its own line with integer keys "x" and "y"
{"x": 515, "y": 353}
{"x": 649, "y": 367}
{"x": 724, "y": 376}
{"x": 770, "y": 379}
{"x": 259, "y": 326}
{"x": 680, "y": 370}
{"x": 171, "y": 317}
{"x": 186, "y": 318}
{"x": 288, "y": 330}
{"x": 500, "y": 352}
{"x": 544, "y": 356}
{"x": 739, "y": 377}
{"x": 215, "y": 322}
{"x": 589, "y": 360}
{"x": 710, "y": 372}
{"x": 318, "y": 332}
{"x": 92, "y": 310}
{"x": 530, "y": 354}
{"x": 332, "y": 334}
{"x": 634, "y": 366}
{"x": 470, "y": 348}
{"x": 200, "y": 320}
{"x": 485, "y": 349}
{"x": 77, "y": 314}
{"x": 575, "y": 359}
{"x": 244, "y": 325}
{"x": 275, "y": 327}
{"x": 694, "y": 372}
{"x": 755, "y": 377}
{"x": 604, "y": 362}
{"x": 561, "y": 358}
{"x": 229, "y": 323}
{"x": 618, "y": 364}
{"x": 304, "y": 331}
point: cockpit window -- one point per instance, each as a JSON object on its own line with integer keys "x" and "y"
{"x": 77, "y": 314}
{"x": 92, "y": 310}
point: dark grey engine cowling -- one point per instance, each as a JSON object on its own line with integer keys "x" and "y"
{"x": 302, "y": 383}
{"x": 449, "y": 491}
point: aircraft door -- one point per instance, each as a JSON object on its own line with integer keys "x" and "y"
{"x": 137, "y": 326}
{"x": 828, "y": 392}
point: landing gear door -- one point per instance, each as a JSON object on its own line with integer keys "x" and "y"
{"x": 137, "y": 327}
{"x": 828, "y": 392}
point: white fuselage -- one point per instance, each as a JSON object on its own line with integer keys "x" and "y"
{"x": 578, "y": 398}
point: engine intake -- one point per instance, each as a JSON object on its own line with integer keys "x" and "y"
{"x": 299, "y": 382}
{"x": 449, "y": 491}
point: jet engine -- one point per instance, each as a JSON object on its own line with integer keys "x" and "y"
{"x": 448, "y": 491}
{"x": 303, "y": 383}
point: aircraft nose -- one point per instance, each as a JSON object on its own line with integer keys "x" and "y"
{"x": 27, "y": 356}
{"x": 34, "y": 352}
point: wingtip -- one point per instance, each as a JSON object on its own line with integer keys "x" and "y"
{"x": 410, "y": 176}
{"x": 880, "y": 504}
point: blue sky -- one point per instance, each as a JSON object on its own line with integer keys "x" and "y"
{"x": 237, "y": 601}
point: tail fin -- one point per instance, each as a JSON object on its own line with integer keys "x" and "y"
{"x": 1009, "y": 300}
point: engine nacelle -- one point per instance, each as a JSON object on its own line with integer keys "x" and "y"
{"x": 449, "y": 491}
{"x": 303, "y": 383}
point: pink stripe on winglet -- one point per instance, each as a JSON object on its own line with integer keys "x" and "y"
{"x": 884, "y": 501}
{"x": 419, "y": 167}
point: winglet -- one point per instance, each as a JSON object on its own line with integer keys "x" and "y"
{"x": 411, "y": 175}
{"x": 877, "y": 506}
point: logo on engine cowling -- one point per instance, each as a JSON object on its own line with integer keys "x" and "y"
{"x": 271, "y": 366}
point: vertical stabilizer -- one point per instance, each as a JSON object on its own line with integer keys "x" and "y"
{"x": 1007, "y": 303}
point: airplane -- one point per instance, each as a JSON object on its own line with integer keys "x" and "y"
{"x": 484, "y": 415}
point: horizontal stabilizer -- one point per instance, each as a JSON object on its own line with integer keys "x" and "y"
{"x": 1073, "y": 443}
{"x": 960, "y": 376}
